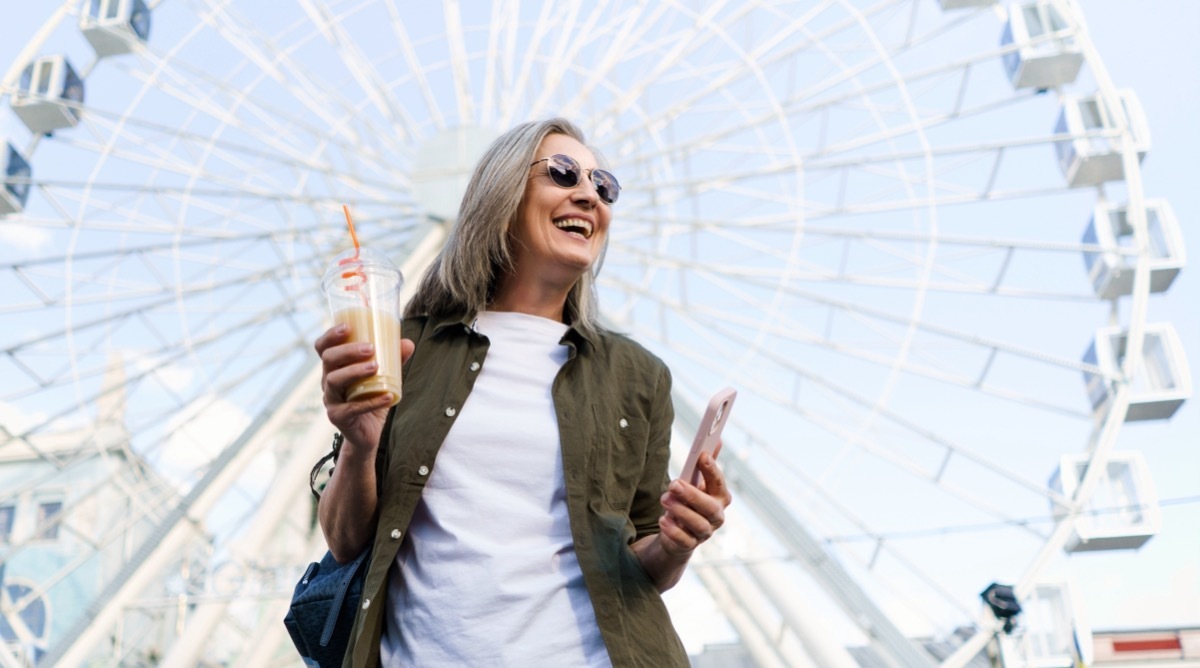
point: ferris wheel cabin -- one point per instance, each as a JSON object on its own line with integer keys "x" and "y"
{"x": 1046, "y": 53}
{"x": 1092, "y": 153}
{"x": 16, "y": 172}
{"x": 49, "y": 95}
{"x": 1121, "y": 514}
{"x": 113, "y": 27}
{"x": 1162, "y": 381}
{"x": 1055, "y": 630}
{"x": 1111, "y": 271}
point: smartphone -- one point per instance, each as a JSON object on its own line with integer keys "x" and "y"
{"x": 709, "y": 432}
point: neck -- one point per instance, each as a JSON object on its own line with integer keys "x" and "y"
{"x": 530, "y": 297}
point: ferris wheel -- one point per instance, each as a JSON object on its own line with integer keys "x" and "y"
{"x": 912, "y": 233}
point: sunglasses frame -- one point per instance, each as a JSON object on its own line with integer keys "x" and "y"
{"x": 602, "y": 180}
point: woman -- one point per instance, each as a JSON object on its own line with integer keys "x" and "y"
{"x": 517, "y": 498}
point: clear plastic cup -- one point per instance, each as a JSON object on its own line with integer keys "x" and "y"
{"x": 363, "y": 290}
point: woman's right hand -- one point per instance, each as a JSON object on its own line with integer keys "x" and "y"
{"x": 343, "y": 364}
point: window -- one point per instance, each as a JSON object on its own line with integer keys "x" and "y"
{"x": 18, "y": 170}
{"x": 140, "y": 20}
{"x": 48, "y": 515}
{"x": 45, "y": 69}
{"x": 6, "y": 523}
{"x": 1033, "y": 21}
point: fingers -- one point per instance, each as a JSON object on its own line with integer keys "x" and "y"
{"x": 345, "y": 363}
{"x": 331, "y": 337}
{"x": 713, "y": 479}
{"x": 342, "y": 366}
{"x": 690, "y": 515}
{"x": 693, "y": 514}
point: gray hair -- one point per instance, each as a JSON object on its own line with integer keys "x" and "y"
{"x": 462, "y": 278}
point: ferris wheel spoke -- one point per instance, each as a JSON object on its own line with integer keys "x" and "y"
{"x": 415, "y": 67}
{"x": 631, "y": 31}
{"x": 796, "y": 332}
{"x": 282, "y": 155}
{"x": 51, "y": 298}
{"x": 567, "y": 45}
{"x": 755, "y": 58}
{"x": 678, "y": 46}
{"x": 835, "y": 426}
{"x": 459, "y": 68}
{"x": 805, "y": 271}
{"x": 541, "y": 28}
{"x": 284, "y": 129}
{"x": 814, "y": 487}
{"x": 315, "y": 97}
{"x": 360, "y": 67}
{"x": 941, "y": 330}
{"x": 174, "y": 352}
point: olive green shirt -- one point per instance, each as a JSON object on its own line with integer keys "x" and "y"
{"x": 613, "y": 403}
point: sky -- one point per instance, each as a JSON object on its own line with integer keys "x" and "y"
{"x": 1148, "y": 46}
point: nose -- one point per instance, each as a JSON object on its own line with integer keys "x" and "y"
{"x": 585, "y": 192}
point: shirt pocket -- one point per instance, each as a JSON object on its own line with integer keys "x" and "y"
{"x": 620, "y": 456}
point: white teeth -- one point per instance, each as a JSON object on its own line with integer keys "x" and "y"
{"x": 575, "y": 222}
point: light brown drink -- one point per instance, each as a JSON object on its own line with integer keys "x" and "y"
{"x": 383, "y": 330}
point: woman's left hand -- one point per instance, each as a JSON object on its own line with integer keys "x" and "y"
{"x": 692, "y": 514}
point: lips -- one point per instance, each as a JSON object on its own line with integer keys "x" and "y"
{"x": 579, "y": 226}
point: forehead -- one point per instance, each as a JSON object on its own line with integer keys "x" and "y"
{"x": 558, "y": 143}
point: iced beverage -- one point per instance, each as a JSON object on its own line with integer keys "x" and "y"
{"x": 383, "y": 330}
{"x": 363, "y": 289}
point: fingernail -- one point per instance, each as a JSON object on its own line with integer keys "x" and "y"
{"x": 372, "y": 365}
{"x": 676, "y": 486}
{"x": 366, "y": 348}
{"x": 341, "y": 328}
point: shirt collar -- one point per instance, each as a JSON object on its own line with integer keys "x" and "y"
{"x": 467, "y": 322}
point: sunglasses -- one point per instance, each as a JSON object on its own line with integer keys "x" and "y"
{"x": 565, "y": 173}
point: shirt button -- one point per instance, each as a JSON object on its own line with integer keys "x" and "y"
{"x": 424, "y": 470}
{"x": 624, "y": 423}
{"x": 474, "y": 366}
{"x": 396, "y": 534}
{"x": 366, "y": 603}
{"x": 450, "y": 412}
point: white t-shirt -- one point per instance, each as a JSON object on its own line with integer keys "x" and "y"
{"x": 487, "y": 575}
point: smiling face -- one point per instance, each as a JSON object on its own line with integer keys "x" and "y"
{"x": 559, "y": 232}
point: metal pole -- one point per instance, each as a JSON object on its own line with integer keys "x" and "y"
{"x": 828, "y": 572}
{"x": 163, "y": 543}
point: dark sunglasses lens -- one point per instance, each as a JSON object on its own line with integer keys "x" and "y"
{"x": 563, "y": 171}
{"x": 606, "y": 186}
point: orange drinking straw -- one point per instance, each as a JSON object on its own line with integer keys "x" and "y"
{"x": 350, "y": 224}
{"x": 357, "y": 271}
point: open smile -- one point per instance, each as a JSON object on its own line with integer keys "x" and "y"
{"x": 576, "y": 225}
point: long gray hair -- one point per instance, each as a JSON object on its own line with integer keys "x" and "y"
{"x": 462, "y": 278}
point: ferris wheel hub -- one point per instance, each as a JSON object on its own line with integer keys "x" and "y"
{"x": 443, "y": 166}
